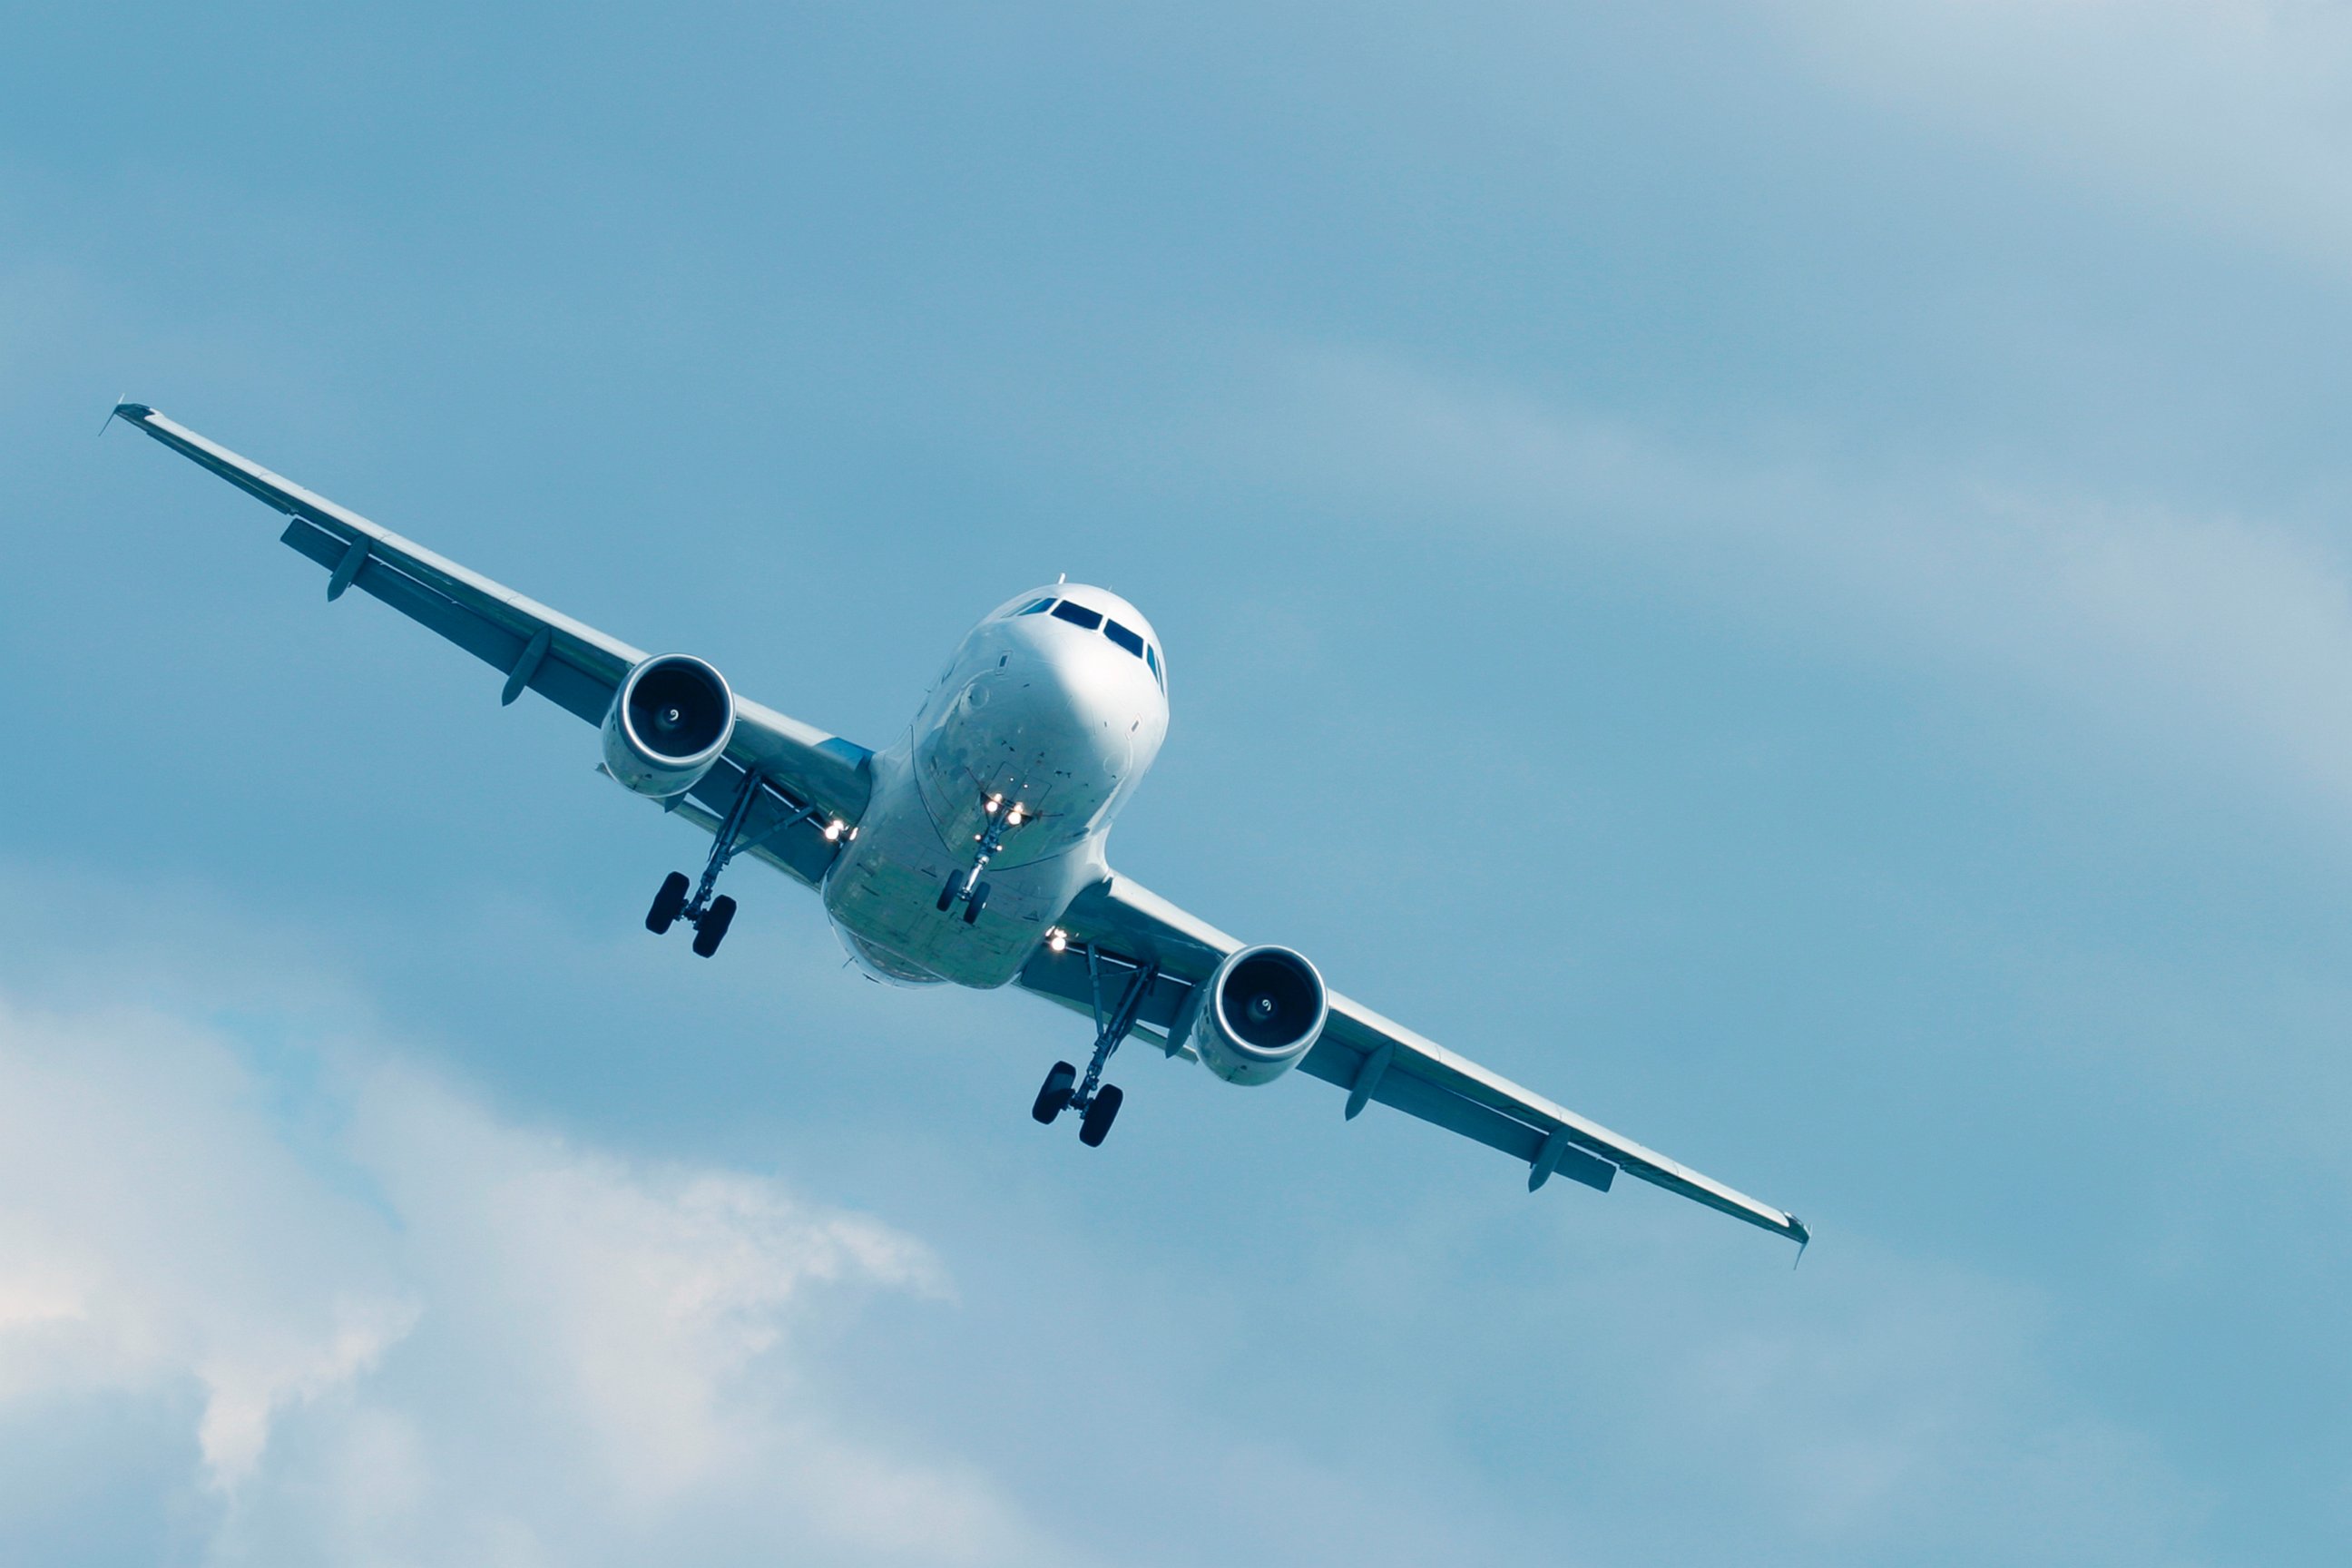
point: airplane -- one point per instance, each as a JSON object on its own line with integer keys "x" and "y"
{"x": 970, "y": 852}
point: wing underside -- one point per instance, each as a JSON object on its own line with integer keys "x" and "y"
{"x": 811, "y": 777}
{"x": 1377, "y": 1061}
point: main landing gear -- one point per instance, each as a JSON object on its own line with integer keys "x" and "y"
{"x": 1096, "y": 1102}
{"x": 710, "y": 917}
{"x": 710, "y": 924}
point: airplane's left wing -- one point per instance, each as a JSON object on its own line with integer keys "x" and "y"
{"x": 1120, "y": 924}
{"x": 539, "y": 649}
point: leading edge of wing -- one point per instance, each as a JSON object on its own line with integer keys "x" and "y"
{"x": 1422, "y": 1077}
{"x": 284, "y": 495}
{"x": 1426, "y": 1060}
{"x": 496, "y": 623}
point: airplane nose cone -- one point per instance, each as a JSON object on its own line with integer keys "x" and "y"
{"x": 1090, "y": 690}
{"x": 1098, "y": 702}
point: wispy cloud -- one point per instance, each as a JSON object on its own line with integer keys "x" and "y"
{"x": 2230, "y": 116}
{"x": 435, "y": 1335}
{"x": 2219, "y": 636}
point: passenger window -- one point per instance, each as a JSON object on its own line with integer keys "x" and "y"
{"x": 1125, "y": 638}
{"x": 1078, "y": 615}
{"x": 1041, "y": 604}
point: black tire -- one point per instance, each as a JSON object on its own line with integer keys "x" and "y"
{"x": 973, "y": 907}
{"x": 1055, "y": 1094}
{"x": 948, "y": 893}
{"x": 667, "y": 903}
{"x": 713, "y": 929}
{"x": 1099, "y": 1116}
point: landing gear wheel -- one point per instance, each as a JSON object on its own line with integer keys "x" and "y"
{"x": 711, "y": 930}
{"x": 947, "y": 894}
{"x": 975, "y": 903}
{"x": 1099, "y": 1116}
{"x": 1056, "y": 1095}
{"x": 667, "y": 903}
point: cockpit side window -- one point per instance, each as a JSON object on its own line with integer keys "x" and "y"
{"x": 1078, "y": 615}
{"x": 1125, "y": 638}
{"x": 1038, "y": 607}
{"x": 1152, "y": 657}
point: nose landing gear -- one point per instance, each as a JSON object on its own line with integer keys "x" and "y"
{"x": 967, "y": 885}
{"x": 1096, "y": 1102}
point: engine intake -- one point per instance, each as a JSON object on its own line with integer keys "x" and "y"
{"x": 670, "y": 720}
{"x": 1262, "y": 1010}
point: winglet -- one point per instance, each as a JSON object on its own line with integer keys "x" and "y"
{"x": 122, "y": 410}
{"x": 1804, "y": 1239}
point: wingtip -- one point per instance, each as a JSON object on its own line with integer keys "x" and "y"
{"x": 131, "y": 411}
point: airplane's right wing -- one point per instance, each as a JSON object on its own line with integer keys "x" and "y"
{"x": 538, "y": 649}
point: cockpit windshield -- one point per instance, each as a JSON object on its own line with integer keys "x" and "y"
{"x": 1078, "y": 615}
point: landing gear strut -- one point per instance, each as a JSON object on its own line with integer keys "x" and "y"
{"x": 710, "y": 916}
{"x": 1098, "y": 1102}
{"x": 967, "y": 885}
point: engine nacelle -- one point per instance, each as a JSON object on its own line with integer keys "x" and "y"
{"x": 669, "y": 722}
{"x": 1261, "y": 1011}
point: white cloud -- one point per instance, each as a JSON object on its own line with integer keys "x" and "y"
{"x": 419, "y": 1334}
{"x": 153, "y": 1230}
{"x": 241, "y": 1394}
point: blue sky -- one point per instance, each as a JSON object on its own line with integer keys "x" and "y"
{"x": 1775, "y": 572}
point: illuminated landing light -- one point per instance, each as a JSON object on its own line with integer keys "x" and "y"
{"x": 1013, "y": 816}
{"x": 1057, "y": 939}
{"x": 833, "y": 830}
{"x": 993, "y": 802}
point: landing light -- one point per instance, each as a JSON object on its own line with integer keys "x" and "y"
{"x": 993, "y": 802}
{"x": 1013, "y": 816}
{"x": 832, "y": 831}
{"x": 1057, "y": 939}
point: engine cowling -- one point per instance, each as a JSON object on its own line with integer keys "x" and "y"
{"x": 1262, "y": 1010}
{"x": 670, "y": 720}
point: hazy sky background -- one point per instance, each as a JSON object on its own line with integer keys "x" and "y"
{"x": 1780, "y": 573}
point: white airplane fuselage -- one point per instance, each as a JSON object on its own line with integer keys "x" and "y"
{"x": 1040, "y": 728}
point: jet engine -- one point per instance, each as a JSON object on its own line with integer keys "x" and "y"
{"x": 1257, "y": 1015}
{"x": 669, "y": 722}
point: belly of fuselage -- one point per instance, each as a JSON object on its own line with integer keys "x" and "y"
{"x": 884, "y": 893}
{"x": 1035, "y": 719}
